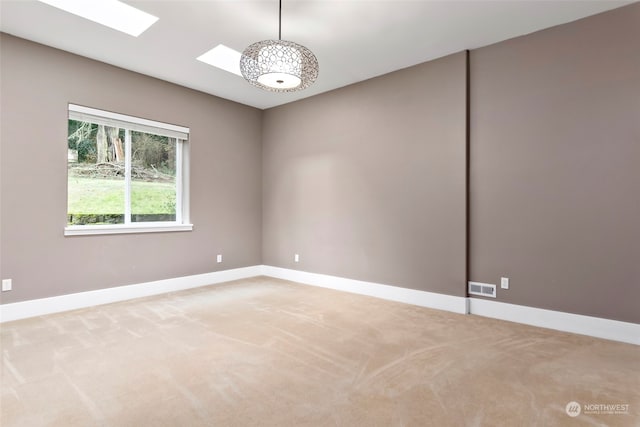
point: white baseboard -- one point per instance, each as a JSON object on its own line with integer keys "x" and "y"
{"x": 39, "y": 307}
{"x": 558, "y": 320}
{"x": 393, "y": 293}
{"x": 567, "y": 322}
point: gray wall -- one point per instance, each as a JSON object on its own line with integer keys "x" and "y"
{"x": 368, "y": 181}
{"x": 37, "y": 83}
{"x": 555, "y": 161}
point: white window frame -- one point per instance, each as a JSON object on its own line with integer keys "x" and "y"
{"x": 179, "y": 133}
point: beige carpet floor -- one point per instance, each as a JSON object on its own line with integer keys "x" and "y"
{"x": 265, "y": 352}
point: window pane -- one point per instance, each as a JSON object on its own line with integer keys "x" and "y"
{"x": 95, "y": 192}
{"x": 122, "y": 170}
{"x": 153, "y": 177}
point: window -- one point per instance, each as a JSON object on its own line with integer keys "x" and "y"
{"x": 125, "y": 174}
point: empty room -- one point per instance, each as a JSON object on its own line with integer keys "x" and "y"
{"x": 319, "y": 213}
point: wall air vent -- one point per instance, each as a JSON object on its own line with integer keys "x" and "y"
{"x": 482, "y": 289}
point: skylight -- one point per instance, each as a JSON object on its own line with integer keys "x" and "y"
{"x": 224, "y": 58}
{"x": 111, "y": 13}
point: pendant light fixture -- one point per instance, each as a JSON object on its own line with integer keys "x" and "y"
{"x": 279, "y": 65}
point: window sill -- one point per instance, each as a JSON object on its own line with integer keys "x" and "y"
{"x": 157, "y": 227}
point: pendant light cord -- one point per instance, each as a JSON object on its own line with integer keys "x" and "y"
{"x": 280, "y": 22}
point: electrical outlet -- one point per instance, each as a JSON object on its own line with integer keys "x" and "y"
{"x": 296, "y": 258}
{"x": 219, "y": 258}
{"x": 6, "y": 285}
{"x": 504, "y": 282}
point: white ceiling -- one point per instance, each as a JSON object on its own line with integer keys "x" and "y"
{"x": 354, "y": 40}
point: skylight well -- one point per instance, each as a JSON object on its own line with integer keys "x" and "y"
{"x": 110, "y": 13}
{"x": 223, "y": 57}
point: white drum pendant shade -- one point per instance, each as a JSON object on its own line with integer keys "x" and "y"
{"x": 279, "y": 65}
